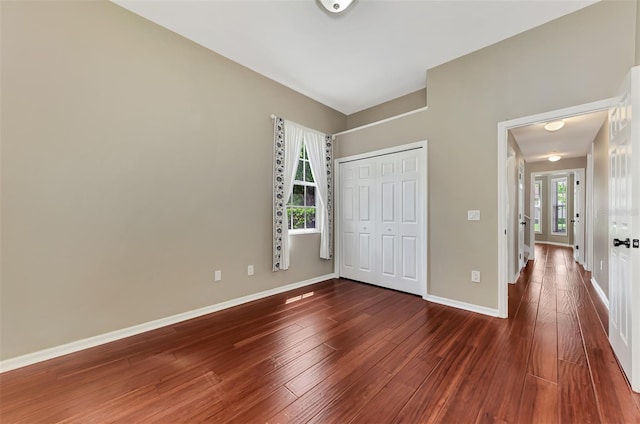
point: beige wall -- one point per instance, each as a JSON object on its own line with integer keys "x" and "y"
{"x": 637, "y": 33}
{"x": 601, "y": 208}
{"x": 407, "y": 103}
{"x": 547, "y": 68}
{"x": 134, "y": 164}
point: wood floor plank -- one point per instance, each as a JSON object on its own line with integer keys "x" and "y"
{"x": 570, "y": 344}
{"x": 543, "y": 361}
{"x": 503, "y": 400}
{"x": 577, "y": 399}
{"x": 273, "y": 404}
{"x": 481, "y": 371}
{"x": 428, "y": 401}
{"x": 539, "y": 402}
{"x": 385, "y": 405}
{"x": 324, "y": 392}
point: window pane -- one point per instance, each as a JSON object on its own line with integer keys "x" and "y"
{"x": 310, "y": 198}
{"x": 308, "y": 175}
{"x": 299, "y": 171}
{"x": 296, "y": 217}
{"x": 559, "y": 223}
{"x": 297, "y": 197}
{"x": 311, "y": 217}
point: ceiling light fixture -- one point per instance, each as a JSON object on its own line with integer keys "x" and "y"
{"x": 554, "y": 126}
{"x": 335, "y": 6}
{"x": 554, "y": 158}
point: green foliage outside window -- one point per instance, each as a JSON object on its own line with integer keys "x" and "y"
{"x": 301, "y": 208}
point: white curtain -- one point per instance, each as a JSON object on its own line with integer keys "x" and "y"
{"x": 316, "y": 150}
{"x": 293, "y": 138}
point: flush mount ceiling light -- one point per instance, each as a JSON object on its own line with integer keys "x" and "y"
{"x": 335, "y": 6}
{"x": 554, "y": 126}
{"x": 554, "y": 158}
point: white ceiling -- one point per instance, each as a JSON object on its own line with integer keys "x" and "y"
{"x": 376, "y": 51}
{"x": 571, "y": 141}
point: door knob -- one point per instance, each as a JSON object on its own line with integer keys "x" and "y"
{"x": 523, "y": 223}
{"x": 626, "y": 242}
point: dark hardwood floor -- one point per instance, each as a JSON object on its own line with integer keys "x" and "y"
{"x": 340, "y": 352}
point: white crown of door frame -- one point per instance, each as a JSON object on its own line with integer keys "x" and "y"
{"x": 503, "y": 128}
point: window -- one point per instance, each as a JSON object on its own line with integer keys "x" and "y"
{"x": 301, "y": 208}
{"x": 537, "y": 207}
{"x": 559, "y": 206}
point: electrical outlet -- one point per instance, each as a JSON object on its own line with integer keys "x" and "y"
{"x": 250, "y": 270}
{"x": 475, "y": 276}
{"x": 217, "y": 276}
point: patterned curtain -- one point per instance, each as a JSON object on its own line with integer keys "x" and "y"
{"x": 279, "y": 202}
{"x": 329, "y": 152}
{"x": 288, "y": 138}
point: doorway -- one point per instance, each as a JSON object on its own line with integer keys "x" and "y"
{"x": 505, "y": 130}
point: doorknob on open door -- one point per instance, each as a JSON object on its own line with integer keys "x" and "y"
{"x": 523, "y": 223}
{"x": 626, "y": 242}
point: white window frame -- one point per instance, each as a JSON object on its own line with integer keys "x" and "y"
{"x": 540, "y": 206}
{"x": 308, "y": 184}
{"x": 552, "y": 203}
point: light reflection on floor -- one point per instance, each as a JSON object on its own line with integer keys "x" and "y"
{"x": 296, "y": 298}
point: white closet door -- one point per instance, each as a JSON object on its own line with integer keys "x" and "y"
{"x": 357, "y": 188}
{"x": 382, "y": 221}
{"x": 399, "y": 223}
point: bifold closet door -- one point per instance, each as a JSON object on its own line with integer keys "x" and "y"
{"x": 381, "y": 221}
{"x": 357, "y": 186}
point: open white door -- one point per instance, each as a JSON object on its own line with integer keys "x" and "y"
{"x": 521, "y": 221}
{"x": 624, "y": 228}
{"x": 578, "y": 216}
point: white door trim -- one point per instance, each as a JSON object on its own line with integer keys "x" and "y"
{"x": 336, "y": 190}
{"x": 588, "y": 240}
{"x": 503, "y": 127}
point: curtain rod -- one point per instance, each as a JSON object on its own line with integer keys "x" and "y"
{"x": 333, "y": 137}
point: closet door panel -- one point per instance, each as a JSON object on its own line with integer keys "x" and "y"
{"x": 348, "y": 223}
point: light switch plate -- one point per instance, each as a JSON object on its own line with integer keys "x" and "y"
{"x": 475, "y": 276}
{"x": 473, "y": 215}
{"x": 217, "y": 275}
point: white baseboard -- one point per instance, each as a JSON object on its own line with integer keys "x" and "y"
{"x": 462, "y": 305}
{"x": 56, "y": 351}
{"x": 601, "y": 294}
{"x": 553, "y": 243}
